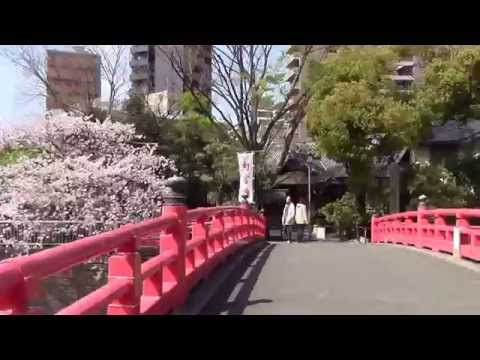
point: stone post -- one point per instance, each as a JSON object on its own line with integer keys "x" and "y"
{"x": 175, "y": 193}
{"x": 244, "y": 203}
{"x": 174, "y": 274}
{"x": 422, "y": 202}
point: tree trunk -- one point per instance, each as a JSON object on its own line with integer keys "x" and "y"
{"x": 359, "y": 175}
{"x": 361, "y": 196}
{"x": 220, "y": 195}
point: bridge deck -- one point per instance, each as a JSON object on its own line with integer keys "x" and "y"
{"x": 346, "y": 278}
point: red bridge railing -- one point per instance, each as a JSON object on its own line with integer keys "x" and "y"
{"x": 191, "y": 244}
{"x": 446, "y": 230}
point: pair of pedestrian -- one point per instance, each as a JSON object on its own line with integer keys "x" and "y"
{"x": 294, "y": 218}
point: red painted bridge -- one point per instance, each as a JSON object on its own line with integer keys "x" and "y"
{"x": 447, "y": 230}
{"x": 269, "y": 278}
{"x": 191, "y": 242}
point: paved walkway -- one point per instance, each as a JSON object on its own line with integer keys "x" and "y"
{"x": 346, "y": 278}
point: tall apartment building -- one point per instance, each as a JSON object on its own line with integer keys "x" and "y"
{"x": 294, "y": 54}
{"x": 154, "y": 76}
{"x": 407, "y": 72}
{"x": 74, "y": 78}
{"x": 264, "y": 117}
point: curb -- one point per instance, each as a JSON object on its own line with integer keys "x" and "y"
{"x": 205, "y": 291}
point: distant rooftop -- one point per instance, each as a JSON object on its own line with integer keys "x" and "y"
{"x": 65, "y": 52}
{"x": 454, "y": 131}
{"x": 401, "y": 64}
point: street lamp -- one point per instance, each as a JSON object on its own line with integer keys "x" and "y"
{"x": 309, "y": 166}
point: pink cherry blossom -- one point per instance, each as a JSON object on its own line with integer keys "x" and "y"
{"x": 86, "y": 171}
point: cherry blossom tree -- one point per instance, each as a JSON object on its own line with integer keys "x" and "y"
{"x": 85, "y": 172}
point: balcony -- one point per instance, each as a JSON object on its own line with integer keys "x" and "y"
{"x": 294, "y": 62}
{"x": 292, "y": 102}
{"x": 291, "y": 75}
{"x": 401, "y": 64}
{"x": 396, "y": 78}
{"x": 141, "y": 75}
{"x": 139, "y": 61}
{"x": 139, "y": 89}
{"x": 138, "y": 48}
{"x": 294, "y": 92}
{"x": 297, "y": 86}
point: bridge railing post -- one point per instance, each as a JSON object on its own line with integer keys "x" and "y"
{"x": 461, "y": 222}
{"x": 456, "y": 241}
{"x": 235, "y": 224}
{"x": 439, "y": 235}
{"x": 173, "y": 274}
{"x": 245, "y": 206}
{"x": 243, "y": 224}
{"x": 126, "y": 264}
{"x": 15, "y": 299}
{"x": 153, "y": 285}
{"x": 218, "y": 227}
{"x": 373, "y": 229}
{"x": 409, "y": 230}
{"x": 401, "y": 229}
{"x": 264, "y": 226}
{"x": 200, "y": 231}
{"x": 211, "y": 238}
{"x": 228, "y": 225}
{"x": 422, "y": 221}
{"x": 394, "y": 225}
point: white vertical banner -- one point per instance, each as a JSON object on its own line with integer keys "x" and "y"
{"x": 246, "y": 171}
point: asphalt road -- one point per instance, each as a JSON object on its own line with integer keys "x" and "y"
{"x": 346, "y": 278}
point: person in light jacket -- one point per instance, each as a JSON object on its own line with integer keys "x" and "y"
{"x": 301, "y": 219}
{"x": 288, "y": 218}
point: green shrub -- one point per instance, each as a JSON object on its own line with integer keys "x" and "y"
{"x": 343, "y": 213}
{"x": 440, "y": 186}
{"x": 11, "y": 156}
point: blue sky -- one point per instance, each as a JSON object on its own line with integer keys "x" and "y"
{"x": 11, "y": 105}
{"x": 14, "y": 109}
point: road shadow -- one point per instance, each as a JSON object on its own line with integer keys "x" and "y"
{"x": 234, "y": 296}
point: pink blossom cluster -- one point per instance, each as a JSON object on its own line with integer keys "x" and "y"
{"x": 86, "y": 171}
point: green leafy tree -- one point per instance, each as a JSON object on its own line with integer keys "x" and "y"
{"x": 153, "y": 127}
{"x": 357, "y": 115}
{"x": 467, "y": 174}
{"x": 450, "y": 89}
{"x": 426, "y": 52}
{"x": 191, "y": 133}
{"x": 223, "y": 175}
{"x": 204, "y": 152}
{"x": 354, "y": 116}
{"x": 350, "y": 64}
